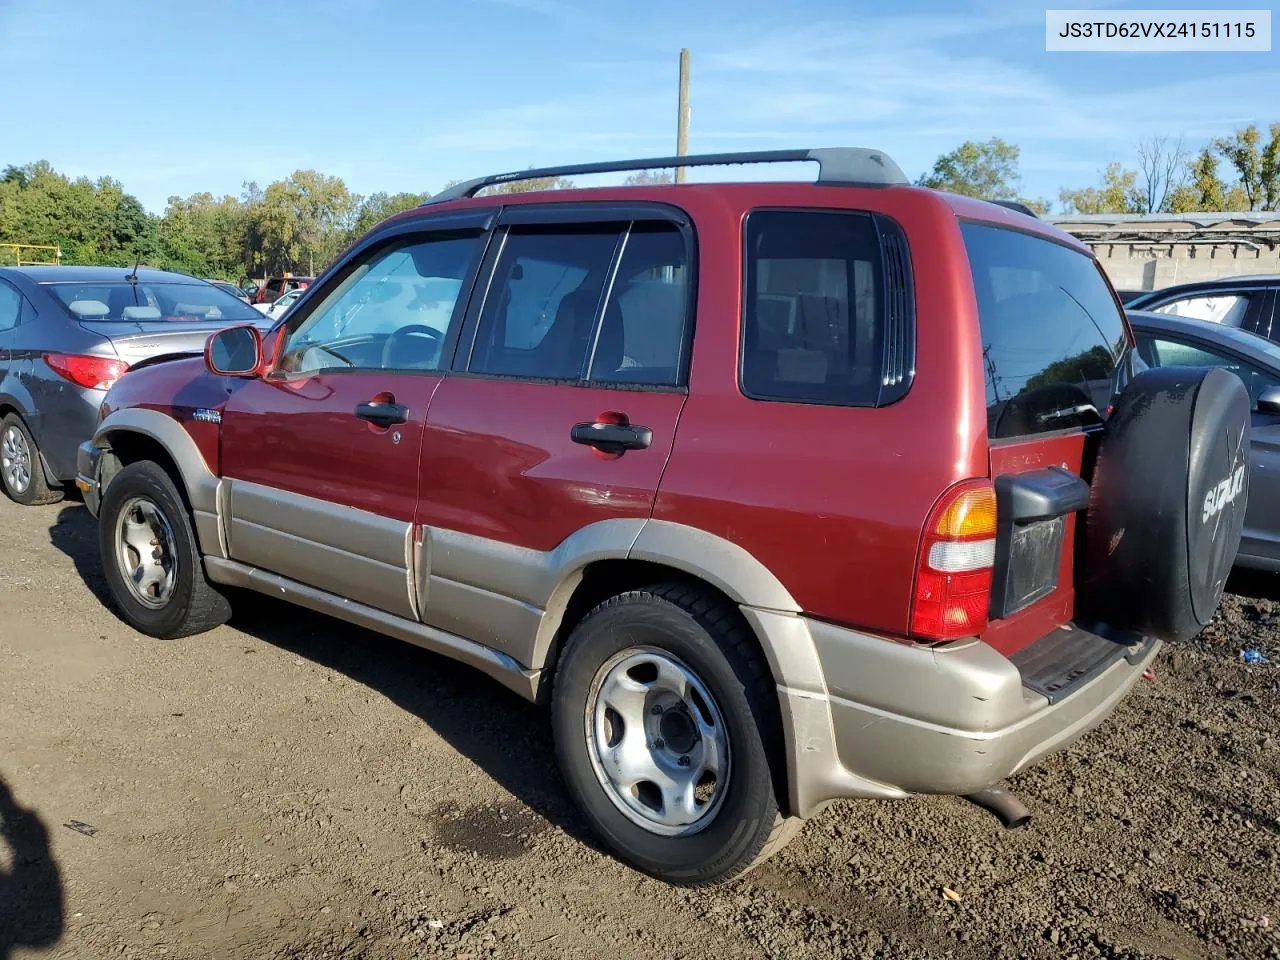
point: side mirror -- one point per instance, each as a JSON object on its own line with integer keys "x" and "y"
{"x": 235, "y": 352}
{"x": 1269, "y": 401}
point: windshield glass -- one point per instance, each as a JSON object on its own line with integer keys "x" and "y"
{"x": 155, "y": 302}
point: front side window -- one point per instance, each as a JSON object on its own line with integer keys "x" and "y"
{"x": 539, "y": 316}
{"x": 1171, "y": 352}
{"x": 1225, "y": 308}
{"x": 814, "y": 308}
{"x": 392, "y": 312}
{"x": 120, "y": 301}
{"x": 1052, "y": 333}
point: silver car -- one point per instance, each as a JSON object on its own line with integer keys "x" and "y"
{"x": 1165, "y": 340}
{"x": 67, "y": 334}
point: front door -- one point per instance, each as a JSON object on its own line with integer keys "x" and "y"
{"x": 322, "y": 453}
{"x": 563, "y": 413}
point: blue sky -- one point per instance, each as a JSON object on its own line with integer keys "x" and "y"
{"x": 175, "y": 97}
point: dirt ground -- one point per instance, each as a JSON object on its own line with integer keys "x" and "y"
{"x": 288, "y": 786}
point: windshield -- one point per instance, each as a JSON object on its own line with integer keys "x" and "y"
{"x": 156, "y": 302}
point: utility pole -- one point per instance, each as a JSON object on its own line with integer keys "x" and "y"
{"x": 682, "y": 128}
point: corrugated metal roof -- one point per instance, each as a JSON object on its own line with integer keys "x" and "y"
{"x": 1150, "y": 219}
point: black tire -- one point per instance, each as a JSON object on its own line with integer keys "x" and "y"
{"x": 194, "y": 605}
{"x": 710, "y": 639}
{"x": 37, "y": 492}
{"x": 1167, "y": 502}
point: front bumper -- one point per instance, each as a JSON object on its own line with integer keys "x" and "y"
{"x": 88, "y": 474}
{"x": 891, "y": 719}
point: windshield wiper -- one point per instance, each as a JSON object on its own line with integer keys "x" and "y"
{"x": 1065, "y": 413}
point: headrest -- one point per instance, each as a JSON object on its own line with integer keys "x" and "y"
{"x": 200, "y": 309}
{"x": 88, "y": 308}
{"x": 140, "y": 313}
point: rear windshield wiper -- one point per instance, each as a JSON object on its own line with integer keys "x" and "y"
{"x": 1065, "y": 413}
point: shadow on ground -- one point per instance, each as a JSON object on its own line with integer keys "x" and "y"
{"x": 506, "y": 736}
{"x": 1254, "y": 584}
{"x": 31, "y": 908}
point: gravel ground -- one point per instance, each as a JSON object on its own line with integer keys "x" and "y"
{"x": 288, "y": 786}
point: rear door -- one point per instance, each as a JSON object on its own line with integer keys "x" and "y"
{"x": 321, "y": 455}
{"x": 569, "y": 383}
{"x": 1052, "y": 336}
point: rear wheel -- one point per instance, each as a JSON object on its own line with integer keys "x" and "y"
{"x": 151, "y": 559}
{"x": 20, "y": 471}
{"x": 665, "y": 721}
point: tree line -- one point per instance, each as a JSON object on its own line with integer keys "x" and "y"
{"x": 1236, "y": 173}
{"x": 300, "y": 224}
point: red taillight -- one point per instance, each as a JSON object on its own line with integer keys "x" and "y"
{"x": 96, "y": 373}
{"x": 953, "y": 579}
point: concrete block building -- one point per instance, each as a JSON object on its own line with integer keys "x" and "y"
{"x": 1147, "y": 251}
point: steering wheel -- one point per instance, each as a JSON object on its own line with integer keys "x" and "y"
{"x": 392, "y": 342}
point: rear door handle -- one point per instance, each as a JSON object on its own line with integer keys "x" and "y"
{"x": 382, "y": 414}
{"x": 612, "y": 437}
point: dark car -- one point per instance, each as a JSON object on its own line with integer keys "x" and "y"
{"x": 1163, "y": 341}
{"x": 66, "y": 335}
{"x": 1246, "y": 302}
{"x": 775, "y": 492}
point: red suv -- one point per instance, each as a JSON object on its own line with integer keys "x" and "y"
{"x": 776, "y": 493}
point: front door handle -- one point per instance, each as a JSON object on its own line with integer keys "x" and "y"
{"x": 609, "y": 436}
{"x": 384, "y": 414}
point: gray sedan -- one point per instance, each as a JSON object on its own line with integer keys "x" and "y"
{"x": 1165, "y": 341}
{"x": 66, "y": 335}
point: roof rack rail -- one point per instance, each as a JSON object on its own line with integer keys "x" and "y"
{"x": 1019, "y": 207}
{"x": 836, "y": 165}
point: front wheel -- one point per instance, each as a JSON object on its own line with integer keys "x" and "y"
{"x": 665, "y": 721}
{"x": 151, "y": 559}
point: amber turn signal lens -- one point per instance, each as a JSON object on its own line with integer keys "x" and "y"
{"x": 971, "y": 514}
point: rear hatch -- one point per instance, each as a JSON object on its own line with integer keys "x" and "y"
{"x": 1053, "y": 339}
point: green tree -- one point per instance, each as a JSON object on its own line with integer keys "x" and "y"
{"x": 1204, "y": 189}
{"x": 645, "y": 178}
{"x": 527, "y": 186}
{"x": 1118, "y": 193}
{"x": 1256, "y": 163}
{"x": 986, "y": 170}
{"x": 376, "y": 207}
{"x": 303, "y": 222}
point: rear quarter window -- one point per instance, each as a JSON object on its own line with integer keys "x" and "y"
{"x": 828, "y": 316}
{"x": 1052, "y": 334}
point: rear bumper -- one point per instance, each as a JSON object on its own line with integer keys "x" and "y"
{"x": 895, "y": 719}
{"x": 88, "y": 464}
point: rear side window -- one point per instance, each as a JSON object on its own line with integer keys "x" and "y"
{"x": 540, "y": 314}
{"x": 1052, "y": 334}
{"x": 642, "y": 331}
{"x": 600, "y": 304}
{"x": 1225, "y": 308}
{"x": 825, "y": 308}
{"x": 10, "y": 307}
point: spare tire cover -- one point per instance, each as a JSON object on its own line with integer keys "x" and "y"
{"x": 1167, "y": 502}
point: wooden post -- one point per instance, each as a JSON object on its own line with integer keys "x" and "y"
{"x": 682, "y": 128}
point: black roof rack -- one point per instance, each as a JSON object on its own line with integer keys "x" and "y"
{"x": 836, "y": 165}
{"x": 1015, "y": 205}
